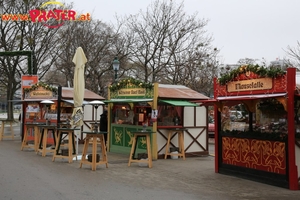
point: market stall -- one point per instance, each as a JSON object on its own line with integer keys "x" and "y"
{"x": 262, "y": 144}
{"x": 60, "y": 108}
{"x": 134, "y": 105}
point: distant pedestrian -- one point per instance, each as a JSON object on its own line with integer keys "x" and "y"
{"x": 103, "y": 124}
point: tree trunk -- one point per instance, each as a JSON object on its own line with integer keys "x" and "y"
{"x": 10, "y": 96}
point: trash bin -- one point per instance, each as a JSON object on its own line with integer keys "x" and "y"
{"x": 143, "y": 156}
{"x": 174, "y": 150}
{"x": 90, "y": 157}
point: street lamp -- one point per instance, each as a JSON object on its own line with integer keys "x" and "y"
{"x": 116, "y": 65}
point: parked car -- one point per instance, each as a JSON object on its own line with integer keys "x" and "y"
{"x": 211, "y": 130}
{"x": 236, "y": 115}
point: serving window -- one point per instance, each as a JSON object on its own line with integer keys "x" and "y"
{"x": 269, "y": 116}
{"x": 134, "y": 114}
{"x": 169, "y": 115}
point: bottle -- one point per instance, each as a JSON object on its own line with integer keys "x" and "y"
{"x": 145, "y": 125}
{"x": 176, "y": 121}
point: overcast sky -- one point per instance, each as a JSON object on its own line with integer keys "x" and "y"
{"x": 241, "y": 28}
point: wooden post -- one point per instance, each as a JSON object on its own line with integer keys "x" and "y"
{"x": 109, "y": 120}
{"x": 292, "y": 168}
{"x": 217, "y": 118}
{"x": 154, "y": 147}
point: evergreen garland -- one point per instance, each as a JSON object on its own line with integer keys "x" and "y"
{"x": 259, "y": 70}
{"x": 130, "y": 83}
{"x": 43, "y": 85}
{"x": 270, "y": 105}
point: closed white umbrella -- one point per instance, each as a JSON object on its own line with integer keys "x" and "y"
{"x": 79, "y": 60}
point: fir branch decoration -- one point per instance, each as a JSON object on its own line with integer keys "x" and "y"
{"x": 261, "y": 71}
{"x": 130, "y": 83}
{"x": 43, "y": 85}
{"x": 270, "y": 105}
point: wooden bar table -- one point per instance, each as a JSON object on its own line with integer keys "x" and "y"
{"x": 171, "y": 133}
{"x": 94, "y": 135}
{"x": 95, "y": 126}
{"x": 2, "y": 135}
{"x": 32, "y": 126}
{"x": 44, "y": 136}
{"x": 136, "y": 136}
{"x": 71, "y": 144}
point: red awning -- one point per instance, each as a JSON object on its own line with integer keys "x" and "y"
{"x": 235, "y": 99}
{"x": 250, "y": 97}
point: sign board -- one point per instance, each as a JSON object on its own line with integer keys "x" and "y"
{"x": 132, "y": 92}
{"x": 40, "y": 93}
{"x": 251, "y": 84}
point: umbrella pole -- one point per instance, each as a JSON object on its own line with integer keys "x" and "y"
{"x": 96, "y": 123}
{"x": 76, "y": 144}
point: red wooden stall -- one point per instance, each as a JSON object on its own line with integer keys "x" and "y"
{"x": 263, "y": 145}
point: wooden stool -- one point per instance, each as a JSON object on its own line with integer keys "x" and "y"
{"x": 136, "y": 135}
{"x": 43, "y": 139}
{"x": 171, "y": 134}
{"x": 103, "y": 159}
{"x": 11, "y": 129}
{"x": 30, "y": 127}
{"x": 71, "y": 144}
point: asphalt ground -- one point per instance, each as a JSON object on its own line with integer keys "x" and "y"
{"x": 26, "y": 175}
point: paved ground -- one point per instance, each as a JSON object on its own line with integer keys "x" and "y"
{"x": 26, "y": 175}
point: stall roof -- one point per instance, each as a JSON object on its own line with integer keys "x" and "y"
{"x": 29, "y": 100}
{"x": 67, "y": 93}
{"x": 208, "y": 102}
{"x": 178, "y": 92}
{"x": 179, "y": 103}
{"x": 72, "y": 101}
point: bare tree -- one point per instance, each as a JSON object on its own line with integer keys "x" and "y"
{"x": 245, "y": 61}
{"x": 294, "y": 54}
{"x": 200, "y": 70}
{"x": 99, "y": 42}
{"x": 167, "y": 45}
{"x": 20, "y": 35}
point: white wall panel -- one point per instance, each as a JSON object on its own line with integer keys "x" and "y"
{"x": 201, "y": 116}
{"x": 188, "y": 116}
